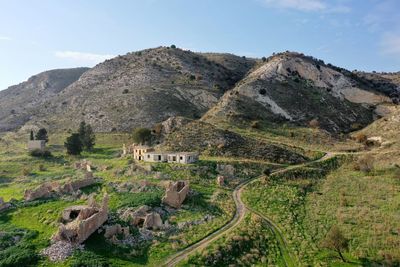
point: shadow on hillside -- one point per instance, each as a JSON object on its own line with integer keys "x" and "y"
{"x": 98, "y": 244}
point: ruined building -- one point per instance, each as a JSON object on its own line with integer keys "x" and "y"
{"x": 79, "y": 222}
{"x": 176, "y": 193}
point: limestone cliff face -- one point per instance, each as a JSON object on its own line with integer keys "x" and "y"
{"x": 19, "y": 103}
{"x": 293, "y": 87}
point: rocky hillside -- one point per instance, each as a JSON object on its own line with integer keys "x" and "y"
{"x": 144, "y": 88}
{"x": 19, "y": 103}
{"x": 291, "y": 87}
{"x": 209, "y": 140}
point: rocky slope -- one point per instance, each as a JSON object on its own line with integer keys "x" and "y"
{"x": 19, "y": 103}
{"x": 209, "y": 140}
{"x": 291, "y": 87}
{"x": 143, "y": 88}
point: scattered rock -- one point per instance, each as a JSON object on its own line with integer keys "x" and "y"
{"x": 59, "y": 251}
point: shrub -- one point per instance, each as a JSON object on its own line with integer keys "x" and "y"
{"x": 173, "y": 46}
{"x": 361, "y": 138}
{"x": 336, "y": 241}
{"x": 87, "y": 259}
{"x": 40, "y": 153}
{"x": 262, "y": 91}
{"x": 26, "y": 171}
{"x": 264, "y": 59}
{"x": 365, "y": 163}
{"x": 255, "y": 125}
{"x": 42, "y": 168}
{"x": 141, "y": 135}
{"x": 125, "y": 91}
{"x": 314, "y": 123}
{"x": 192, "y": 77}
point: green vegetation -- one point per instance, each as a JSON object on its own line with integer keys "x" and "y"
{"x": 252, "y": 243}
{"x": 306, "y": 202}
{"x": 141, "y": 135}
{"x": 87, "y": 136}
{"x": 73, "y": 144}
{"x": 42, "y": 135}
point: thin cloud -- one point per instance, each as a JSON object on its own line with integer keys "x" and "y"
{"x": 307, "y": 5}
{"x": 390, "y": 44}
{"x": 5, "y": 38}
{"x": 83, "y": 57}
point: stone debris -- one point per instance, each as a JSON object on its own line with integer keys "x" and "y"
{"x": 83, "y": 165}
{"x": 143, "y": 217}
{"x": 61, "y": 250}
{"x": 176, "y": 193}
{"x": 4, "y": 205}
{"x": 134, "y": 187}
{"x": 79, "y": 222}
{"x": 50, "y": 189}
{"x": 116, "y": 229}
{"x": 206, "y": 219}
{"x": 220, "y": 180}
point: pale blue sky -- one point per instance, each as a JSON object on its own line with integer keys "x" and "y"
{"x": 38, "y": 35}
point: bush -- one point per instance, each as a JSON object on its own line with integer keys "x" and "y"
{"x": 262, "y": 91}
{"x": 365, "y": 163}
{"x": 125, "y": 91}
{"x": 361, "y": 138}
{"x": 40, "y": 153}
{"x": 264, "y": 59}
{"x": 314, "y": 123}
{"x": 88, "y": 259}
{"x": 141, "y": 135}
{"x": 173, "y": 46}
{"x": 255, "y": 125}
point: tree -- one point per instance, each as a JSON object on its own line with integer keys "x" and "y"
{"x": 87, "y": 136}
{"x": 32, "y": 136}
{"x": 173, "y": 46}
{"x": 141, "y": 135}
{"x": 73, "y": 144}
{"x": 42, "y": 135}
{"x": 336, "y": 241}
{"x": 264, "y": 59}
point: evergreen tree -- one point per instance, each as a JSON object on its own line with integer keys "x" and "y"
{"x": 32, "y": 136}
{"x": 42, "y": 135}
{"x": 141, "y": 135}
{"x": 73, "y": 144}
{"x": 87, "y": 136}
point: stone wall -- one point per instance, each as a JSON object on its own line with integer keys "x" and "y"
{"x": 176, "y": 193}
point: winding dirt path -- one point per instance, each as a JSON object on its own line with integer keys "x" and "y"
{"x": 237, "y": 219}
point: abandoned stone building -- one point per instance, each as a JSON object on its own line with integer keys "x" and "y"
{"x": 79, "y": 222}
{"x": 139, "y": 151}
{"x": 176, "y": 193}
{"x": 36, "y": 145}
{"x": 147, "y": 153}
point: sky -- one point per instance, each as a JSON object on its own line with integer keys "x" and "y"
{"x": 39, "y": 35}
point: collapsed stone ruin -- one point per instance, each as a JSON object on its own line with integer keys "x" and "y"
{"x": 176, "y": 193}
{"x": 84, "y": 165}
{"x": 79, "y": 222}
{"x": 49, "y": 189}
{"x": 221, "y": 180}
{"x": 143, "y": 217}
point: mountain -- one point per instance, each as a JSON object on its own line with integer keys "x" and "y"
{"x": 291, "y": 87}
{"x": 19, "y": 103}
{"x": 143, "y": 88}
